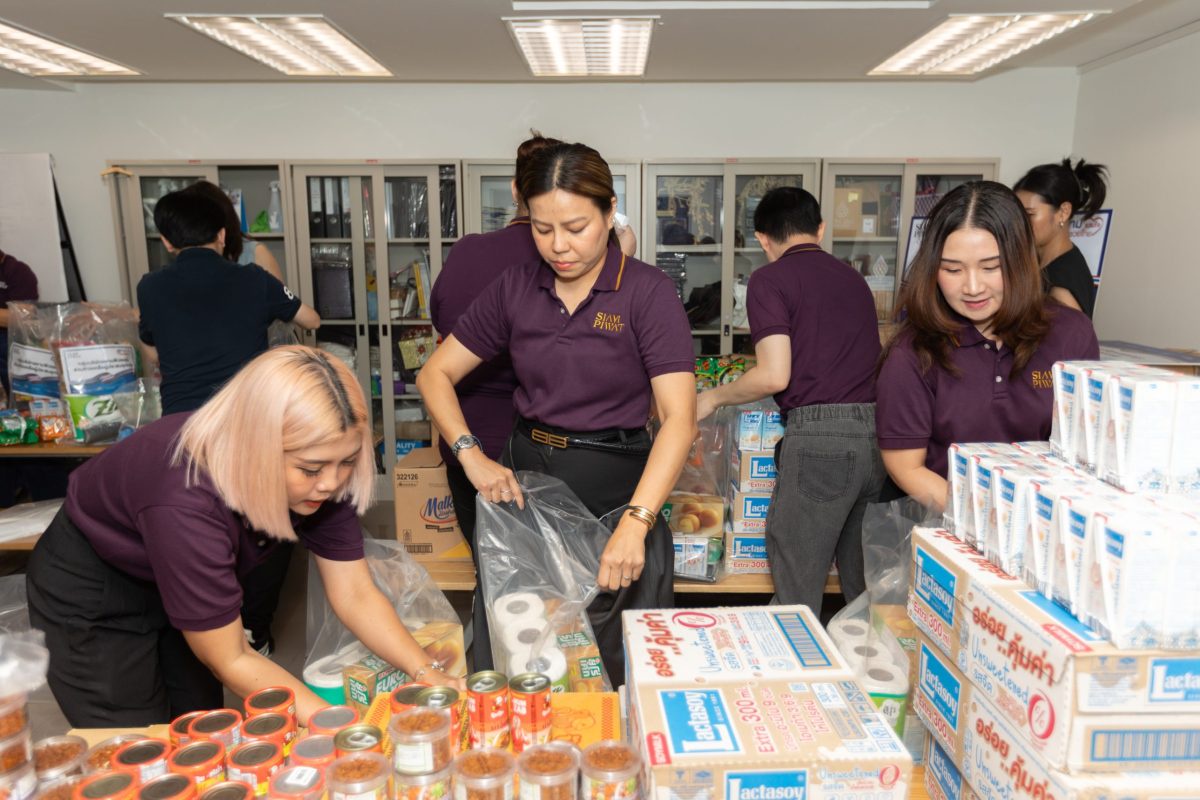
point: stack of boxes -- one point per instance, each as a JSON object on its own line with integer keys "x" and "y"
{"x": 755, "y": 433}
{"x": 1059, "y": 620}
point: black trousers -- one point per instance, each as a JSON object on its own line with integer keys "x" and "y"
{"x": 115, "y": 659}
{"x": 605, "y": 481}
{"x": 463, "y": 494}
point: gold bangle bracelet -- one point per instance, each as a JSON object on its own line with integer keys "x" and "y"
{"x": 643, "y": 514}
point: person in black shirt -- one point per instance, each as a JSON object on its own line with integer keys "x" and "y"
{"x": 206, "y": 316}
{"x": 1052, "y": 194}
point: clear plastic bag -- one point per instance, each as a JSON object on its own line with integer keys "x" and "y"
{"x": 138, "y": 408}
{"x": 538, "y": 570}
{"x": 31, "y": 370}
{"x": 14, "y": 608}
{"x": 418, "y": 601}
{"x": 26, "y": 519}
{"x": 24, "y": 660}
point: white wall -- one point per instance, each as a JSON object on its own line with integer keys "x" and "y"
{"x": 1023, "y": 118}
{"x": 1141, "y": 117}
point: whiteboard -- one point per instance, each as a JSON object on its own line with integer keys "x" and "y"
{"x": 1090, "y": 237}
{"x": 29, "y": 220}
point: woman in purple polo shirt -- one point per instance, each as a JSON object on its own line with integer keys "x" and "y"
{"x": 972, "y": 359}
{"x": 594, "y": 336}
{"x": 137, "y": 582}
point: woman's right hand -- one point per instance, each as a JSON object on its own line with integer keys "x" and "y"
{"x": 494, "y": 482}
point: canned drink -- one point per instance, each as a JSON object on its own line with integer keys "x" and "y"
{"x": 19, "y": 783}
{"x": 313, "y": 751}
{"x": 529, "y": 706}
{"x": 59, "y": 756}
{"x": 145, "y": 759}
{"x": 203, "y": 763}
{"x": 432, "y": 786}
{"x": 223, "y": 725}
{"x": 228, "y": 790}
{"x": 273, "y": 700}
{"x": 253, "y": 763}
{"x": 441, "y": 697}
{"x": 297, "y": 783}
{"x": 178, "y": 733}
{"x": 16, "y": 750}
{"x": 358, "y": 739}
{"x": 421, "y": 740}
{"x": 271, "y": 727}
{"x": 359, "y": 776}
{"x": 168, "y": 787}
{"x": 99, "y": 758}
{"x": 328, "y": 721}
{"x": 107, "y": 786}
{"x": 487, "y": 710}
{"x": 405, "y": 697}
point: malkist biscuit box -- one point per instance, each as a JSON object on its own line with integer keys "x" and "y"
{"x": 1067, "y": 690}
{"x": 766, "y": 740}
{"x": 997, "y": 762}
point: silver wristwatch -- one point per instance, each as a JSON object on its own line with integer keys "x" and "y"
{"x": 464, "y": 441}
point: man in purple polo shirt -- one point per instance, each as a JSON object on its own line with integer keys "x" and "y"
{"x": 812, "y": 320}
{"x": 17, "y": 282}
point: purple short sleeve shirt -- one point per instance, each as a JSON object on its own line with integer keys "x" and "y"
{"x": 17, "y": 280}
{"x": 982, "y": 404}
{"x": 827, "y": 310}
{"x": 589, "y": 370}
{"x": 142, "y": 518}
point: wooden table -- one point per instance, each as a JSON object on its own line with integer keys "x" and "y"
{"x": 52, "y": 450}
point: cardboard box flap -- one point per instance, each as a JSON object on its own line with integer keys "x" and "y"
{"x": 421, "y": 458}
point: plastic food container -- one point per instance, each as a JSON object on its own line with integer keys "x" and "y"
{"x": 610, "y": 771}
{"x": 433, "y": 786}
{"x": 19, "y": 783}
{"x": 58, "y": 757}
{"x": 549, "y": 771}
{"x": 13, "y": 716}
{"x": 484, "y": 774}
{"x": 16, "y": 751}
{"x": 61, "y": 789}
{"x": 421, "y": 741}
{"x": 359, "y": 776}
{"x": 99, "y": 758}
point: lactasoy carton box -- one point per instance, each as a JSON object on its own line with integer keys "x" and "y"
{"x": 1076, "y": 700}
{"x": 753, "y": 704}
{"x": 995, "y": 761}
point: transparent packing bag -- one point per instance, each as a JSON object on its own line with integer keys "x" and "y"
{"x": 538, "y": 568}
{"x": 32, "y": 373}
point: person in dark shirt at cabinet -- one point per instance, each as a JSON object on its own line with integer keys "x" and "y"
{"x": 1052, "y": 194}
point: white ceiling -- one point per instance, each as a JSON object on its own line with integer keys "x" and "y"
{"x": 466, "y": 41}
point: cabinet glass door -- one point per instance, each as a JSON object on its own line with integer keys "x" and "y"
{"x": 925, "y": 185}
{"x": 264, "y": 206}
{"x": 145, "y": 250}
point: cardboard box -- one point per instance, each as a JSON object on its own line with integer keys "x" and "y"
{"x": 766, "y": 739}
{"x": 695, "y": 514}
{"x": 746, "y": 554}
{"x": 999, "y": 764}
{"x": 943, "y": 781}
{"x": 753, "y": 471}
{"x": 697, "y": 557}
{"x": 847, "y": 211}
{"x": 748, "y": 511}
{"x": 368, "y": 678}
{"x": 425, "y": 519}
{"x": 1067, "y": 690}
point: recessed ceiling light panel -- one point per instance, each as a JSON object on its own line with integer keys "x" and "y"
{"x": 580, "y": 47}
{"x": 971, "y": 43}
{"x": 31, "y": 54}
{"x": 294, "y": 44}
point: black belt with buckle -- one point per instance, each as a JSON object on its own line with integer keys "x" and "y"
{"x": 631, "y": 441}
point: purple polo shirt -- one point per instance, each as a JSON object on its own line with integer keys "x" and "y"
{"x": 486, "y": 395}
{"x": 590, "y": 370}
{"x": 141, "y": 518}
{"x": 936, "y": 409}
{"x": 17, "y": 281}
{"x": 827, "y": 310}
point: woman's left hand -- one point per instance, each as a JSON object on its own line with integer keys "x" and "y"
{"x": 624, "y": 557}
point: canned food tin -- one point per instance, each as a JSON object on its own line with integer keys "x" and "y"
{"x": 441, "y": 697}
{"x": 253, "y": 763}
{"x": 223, "y": 725}
{"x": 99, "y": 758}
{"x": 228, "y": 790}
{"x": 203, "y": 763}
{"x": 168, "y": 787}
{"x": 16, "y": 751}
{"x": 359, "y": 776}
{"x": 107, "y": 786}
{"x": 145, "y": 759}
{"x": 60, "y": 789}
{"x": 487, "y": 709}
{"x": 19, "y": 783}
{"x": 433, "y": 786}
{"x": 59, "y": 756}
{"x": 297, "y": 783}
{"x": 178, "y": 733}
{"x": 271, "y": 727}
{"x": 529, "y": 706}
{"x": 313, "y": 751}
{"x": 358, "y": 739}
{"x": 328, "y": 721}
{"x": 405, "y": 697}
{"x": 610, "y": 771}
{"x": 484, "y": 773}
{"x": 273, "y": 700}
{"x": 421, "y": 740}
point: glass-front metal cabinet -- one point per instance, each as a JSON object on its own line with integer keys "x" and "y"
{"x": 259, "y": 191}
{"x": 371, "y": 240}
{"x": 870, "y": 207}
{"x": 699, "y": 228}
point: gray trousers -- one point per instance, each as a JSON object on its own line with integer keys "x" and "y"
{"x": 829, "y": 470}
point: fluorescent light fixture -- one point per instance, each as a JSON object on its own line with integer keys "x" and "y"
{"x": 306, "y": 45}
{"x": 546, "y": 6}
{"x": 578, "y": 47}
{"x": 31, "y": 54}
{"x": 970, "y": 43}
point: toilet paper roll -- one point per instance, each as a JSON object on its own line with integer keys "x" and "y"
{"x": 518, "y": 607}
{"x": 888, "y": 687}
{"x": 520, "y": 637}
{"x": 864, "y": 656}
{"x": 550, "y": 662}
{"x": 847, "y": 633}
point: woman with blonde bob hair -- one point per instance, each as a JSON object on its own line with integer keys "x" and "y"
{"x": 137, "y": 581}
